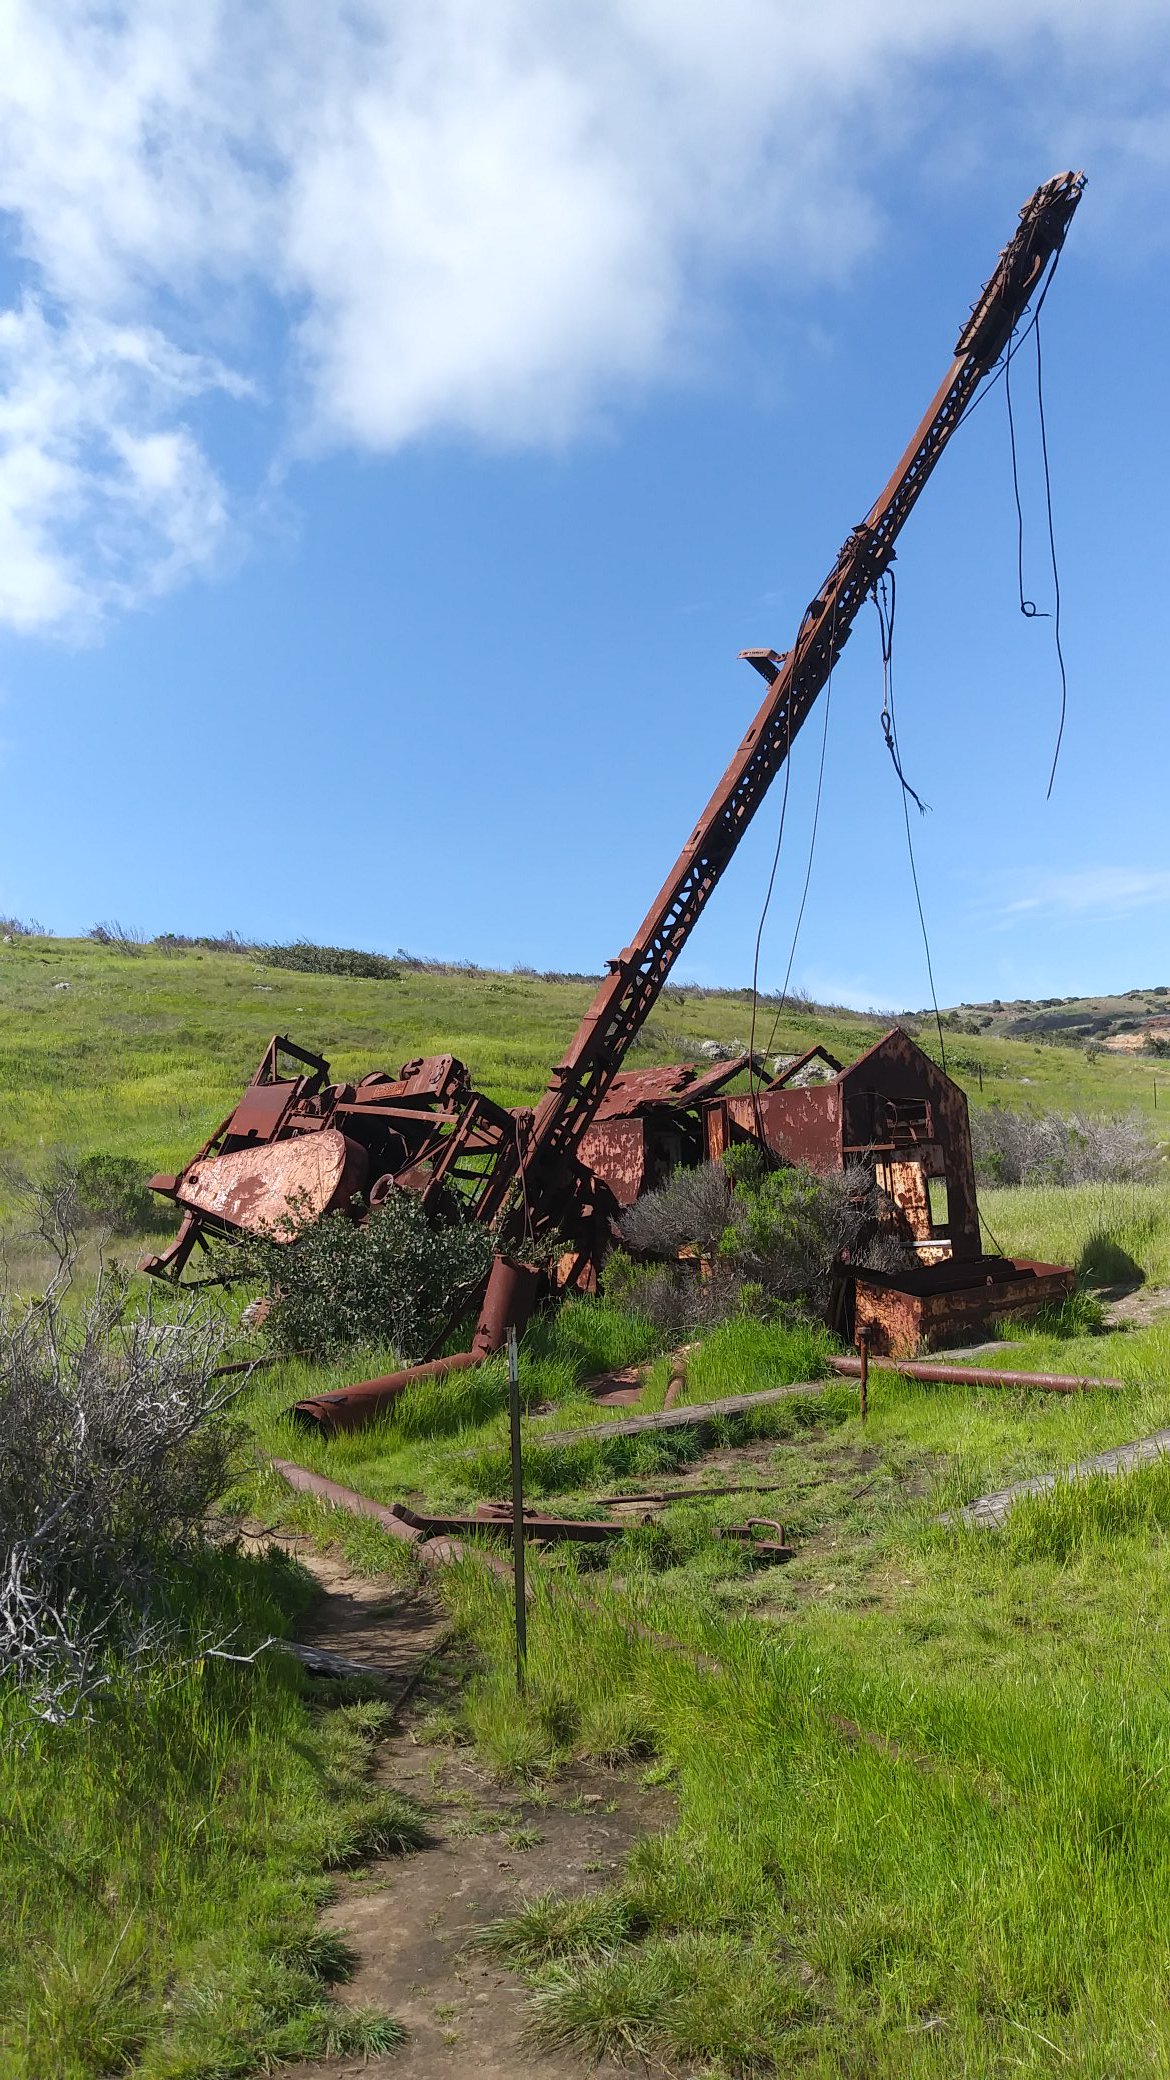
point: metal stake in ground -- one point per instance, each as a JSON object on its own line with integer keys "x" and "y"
{"x": 517, "y": 1513}
{"x": 863, "y": 1354}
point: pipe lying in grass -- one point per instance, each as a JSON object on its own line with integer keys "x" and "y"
{"x": 433, "y": 1552}
{"x": 977, "y": 1375}
{"x": 692, "y": 1416}
{"x": 507, "y": 1304}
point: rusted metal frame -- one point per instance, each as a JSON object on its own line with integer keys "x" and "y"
{"x": 816, "y": 1053}
{"x": 415, "y": 1115}
{"x": 269, "y": 1067}
{"x": 641, "y": 971}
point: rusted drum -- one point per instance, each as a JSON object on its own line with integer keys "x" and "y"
{"x": 263, "y": 1190}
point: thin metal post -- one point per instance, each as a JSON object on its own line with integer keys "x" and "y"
{"x": 517, "y": 1513}
{"x": 863, "y": 1354}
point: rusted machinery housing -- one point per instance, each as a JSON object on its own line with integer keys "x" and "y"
{"x": 297, "y": 1147}
{"x": 895, "y": 1111}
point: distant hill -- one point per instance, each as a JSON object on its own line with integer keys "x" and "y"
{"x": 1137, "y": 1022}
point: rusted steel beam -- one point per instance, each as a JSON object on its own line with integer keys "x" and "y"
{"x": 547, "y": 1149}
{"x": 767, "y": 1548}
{"x": 977, "y": 1375}
{"x": 433, "y": 1552}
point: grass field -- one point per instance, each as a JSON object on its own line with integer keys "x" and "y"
{"x": 921, "y": 1772}
{"x": 923, "y": 1825}
{"x": 143, "y": 1053}
{"x": 163, "y": 1863}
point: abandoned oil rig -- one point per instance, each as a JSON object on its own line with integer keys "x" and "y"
{"x": 556, "y": 1176}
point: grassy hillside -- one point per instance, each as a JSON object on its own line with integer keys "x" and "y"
{"x": 143, "y": 1052}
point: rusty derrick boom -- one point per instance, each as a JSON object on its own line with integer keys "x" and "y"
{"x": 638, "y": 975}
{"x": 523, "y": 1171}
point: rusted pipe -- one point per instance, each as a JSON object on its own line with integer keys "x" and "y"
{"x": 433, "y": 1552}
{"x": 976, "y": 1375}
{"x": 507, "y": 1304}
{"x": 676, "y": 1384}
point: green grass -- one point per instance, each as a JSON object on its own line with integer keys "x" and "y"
{"x": 921, "y": 1773}
{"x": 161, "y": 1865}
{"x": 1116, "y": 1233}
{"x": 922, "y": 1817}
{"x": 976, "y": 1884}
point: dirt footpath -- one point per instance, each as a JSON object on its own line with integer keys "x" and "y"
{"x": 413, "y": 1920}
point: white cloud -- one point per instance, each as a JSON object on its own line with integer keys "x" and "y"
{"x": 100, "y": 505}
{"x": 482, "y": 218}
{"x": 1095, "y": 894}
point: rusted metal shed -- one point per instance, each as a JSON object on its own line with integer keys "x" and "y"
{"x": 895, "y": 1111}
{"x": 650, "y": 1123}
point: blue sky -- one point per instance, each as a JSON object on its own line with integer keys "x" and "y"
{"x": 408, "y": 411}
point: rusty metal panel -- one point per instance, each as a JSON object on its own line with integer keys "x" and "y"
{"x": 261, "y": 1111}
{"x": 801, "y": 1126}
{"x": 257, "y": 1189}
{"x": 615, "y": 1151}
{"x": 905, "y": 1182}
{"x": 900, "y": 1321}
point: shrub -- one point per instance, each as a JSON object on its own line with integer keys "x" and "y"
{"x": 771, "y": 1238}
{"x": 113, "y": 1444}
{"x": 788, "y": 1233}
{"x": 21, "y": 928}
{"x": 688, "y": 1212}
{"x": 392, "y": 1282}
{"x": 308, "y": 959}
{"x": 1054, "y": 1148}
{"x": 123, "y": 938}
{"x": 111, "y": 1193}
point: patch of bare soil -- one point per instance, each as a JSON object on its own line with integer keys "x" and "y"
{"x": 413, "y": 1921}
{"x": 1136, "y": 1310}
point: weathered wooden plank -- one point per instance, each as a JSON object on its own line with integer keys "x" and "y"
{"x": 691, "y": 1417}
{"x": 988, "y": 1512}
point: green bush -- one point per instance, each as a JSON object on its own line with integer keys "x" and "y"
{"x": 394, "y": 1281}
{"x": 308, "y": 959}
{"x": 112, "y": 1193}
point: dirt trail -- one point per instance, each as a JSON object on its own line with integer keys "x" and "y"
{"x": 412, "y": 1920}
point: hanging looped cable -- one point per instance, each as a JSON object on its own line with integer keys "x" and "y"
{"x": 752, "y": 1080}
{"x": 812, "y": 843}
{"x": 1028, "y": 607}
{"x": 885, "y": 600}
{"x": 1052, "y": 554}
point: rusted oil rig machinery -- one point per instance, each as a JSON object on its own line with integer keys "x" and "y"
{"x": 598, "y": 1136}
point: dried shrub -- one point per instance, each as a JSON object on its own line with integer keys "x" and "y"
{"x": 391, "y": 1283}
{"x": 1058, "y": 1148}
{"x": 114, "y": 1441}
{"x": 123, "y": 938}
{"x": 770, "y": 1238}
{"x": 690, "y": 1211}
